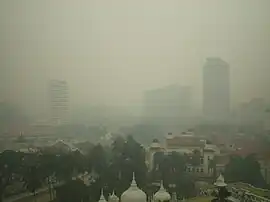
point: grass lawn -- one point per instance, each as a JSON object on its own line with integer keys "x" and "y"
{"x": 201, "y": 199}
{"x": 256, "y": 191}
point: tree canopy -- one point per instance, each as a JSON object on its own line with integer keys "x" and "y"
{"x": 245, "y": 170}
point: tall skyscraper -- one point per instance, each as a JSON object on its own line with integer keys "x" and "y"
{"x": 216, "y": 89}
{"x": 59, "y": 98}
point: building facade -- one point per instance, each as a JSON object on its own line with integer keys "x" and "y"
{"x": 169, "y": 102}
{"x": 216, "y": 89}
{"x": 185, "y": 144}
{"x": 59, "y": 99}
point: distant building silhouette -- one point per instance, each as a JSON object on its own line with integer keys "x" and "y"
{"x": 59, "y": 98}
{"x": 216, "y": 89}
{"x": 169, "y": 102}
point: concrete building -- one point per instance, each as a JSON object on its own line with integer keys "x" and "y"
{"x": 169, "y": 102}
{"x": 216, "y": 89}
{"x": 59, "y": 99}
{"x": 185, "y": 144}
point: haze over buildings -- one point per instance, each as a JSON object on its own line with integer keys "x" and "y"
{"x": 216, "y": 89}
{"x": 169, "y": 102}
{"x": 59, "y": 100}
{"x": 111, "y": 52}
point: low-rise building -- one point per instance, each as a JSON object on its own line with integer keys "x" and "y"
{"x": 189, "y": 145}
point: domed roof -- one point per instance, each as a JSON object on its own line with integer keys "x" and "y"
{"x": 169, "y": 136}
{"x": 162, "y": 194}
{"x": 113, "y": 198}
{"x": 220, "y": 182}
{"x": 102, "y": 198}
{"x": 155, "y": 144}
{"x": 133, "y": 194}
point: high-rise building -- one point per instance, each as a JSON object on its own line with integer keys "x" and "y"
{"x": 169, "y": 102}
{"x": 59, "y": 99}
{"x": 216, "y": 89}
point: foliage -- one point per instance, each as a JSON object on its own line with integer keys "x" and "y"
{"x": 171, "y": 170}
{"x": 9, "y": 165}
{"x": 245, "y": 170}
{"x": 32, "y": 178}
{"x": 111, "y": 172}
{"x": 98, "y": 159}
{"x": 72, "y": 191}
{"x": 144, "y": 132}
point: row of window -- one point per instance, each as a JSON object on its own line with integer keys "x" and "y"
{"x": 193, "y": 170}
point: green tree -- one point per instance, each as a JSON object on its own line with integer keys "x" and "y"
{"x": 10, "y": 163}
{"x": 252, "y": 172}
{"x": 158, "y": 158}
{"x": 98, "y": 159}
{"x": 32, "y": 179}
{"x": 32, "y": 173}
{"x": 185, "y": 186}
{"x": 72, "y": 191}
{"x": 244, "y": 170}
{"x": 234, "y": 169}
{"x": 172, "y": 171}
{"x": 128, "y": 157}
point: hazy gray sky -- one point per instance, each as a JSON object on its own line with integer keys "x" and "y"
{"x": 110, "y": 51}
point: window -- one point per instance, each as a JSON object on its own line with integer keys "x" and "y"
{"x": 208, "y": 158}
{"x": 201, "y": 160}
{"x": 198, "y": 170}
{"x": 201, "y": 170}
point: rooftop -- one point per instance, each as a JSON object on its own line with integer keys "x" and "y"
{"x": 184, "y": 141}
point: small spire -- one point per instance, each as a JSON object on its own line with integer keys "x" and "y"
{"x": 101, "y": 191}
{"x": 161, "y": 186}
{"x": 102, "y": 198}
{"x": 133, "y": 183}
{"x": 162, "y": 194}
{"x": 113, "y": 197}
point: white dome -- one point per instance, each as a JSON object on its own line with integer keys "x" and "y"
{"x": 155, "y": 145}
{"x": 102, "y": 198}
{"x": 113, "y": 198}
{"x": 169, "y": 136}
{"x": 162, "y": 194}
{"x": 220, "y": 182}
{"x": 133, "y": 194}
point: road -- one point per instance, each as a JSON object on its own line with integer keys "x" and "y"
{"x": 27, "y": 197}
{"x": 42, "y": 197}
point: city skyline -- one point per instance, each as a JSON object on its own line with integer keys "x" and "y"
{"x": 110, "y": 57}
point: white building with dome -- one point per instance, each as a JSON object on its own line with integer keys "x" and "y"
{"x": 133, "y": 193}
{"x": 162, "y": 195}
{"x": 113, "y": 198}
{"x": 102, "y": 198}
